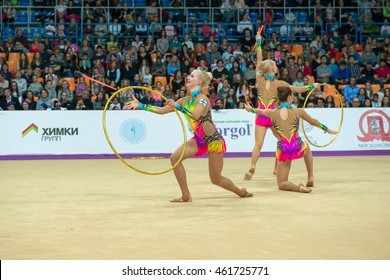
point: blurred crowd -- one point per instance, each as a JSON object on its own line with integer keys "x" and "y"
{"x": 121, "y": 47}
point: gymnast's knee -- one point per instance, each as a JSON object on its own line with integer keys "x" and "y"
{"x": 174, "y": 158}
{"x": 216, "y": 179}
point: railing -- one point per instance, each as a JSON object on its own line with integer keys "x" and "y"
{"x": 28, "y": 15}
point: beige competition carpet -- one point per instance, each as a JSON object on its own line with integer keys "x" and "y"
{"x": 100, "y": 209}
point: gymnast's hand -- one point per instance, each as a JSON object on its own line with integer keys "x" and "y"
{"x": 330, "y": 131}
{"x": 171, "y": 103}
{"x": 248, "y": 108}
{"x": 133, "y": 104}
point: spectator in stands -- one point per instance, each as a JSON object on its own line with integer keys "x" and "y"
{"x": 213, "y": 54}
{"x": 375, "y": 101}
{"x": 9, "y": 14}
{"x": 368, "y": 55}
{"x": 64, "y": 88}
{"x": 61, "y": 9}
{"x": 298, "y": 81}
{"x": 324, "y": 73}
{"x": 355, "y": 103}
{"x": 101, "y": 29}
{"x": 285, "y": 76}
{"x": 292, "y": 69}
{"x": 353, "y": 68}
{"x": 15, "y": 92}
{"x": 35, "y": 86}
{"x": 385, "y": 102}
{"x": 351, "y": 91}
{"x": 100, "y": 101}
{"x": 141, "y": 28}
{"x": 29, "y": 99}
{"x": 9, "y": 98}
{"x": 51, "y": 89}
{"x": 162, "y": 43}
{"x": 362, "y": 95}
{"x": 205, "y": 30}
{"x": 100, "y": 10}
{"x": 368, "y": 74}
{"x": 383, "y": 73}
{"x": 20, "y": 81}
{"x": 244, "y": 24}
{"x": 329, "y": 102}
{"x": 43, "y": 99}
{"x": 86, "y": 49}
{"x": 341, "y": 75}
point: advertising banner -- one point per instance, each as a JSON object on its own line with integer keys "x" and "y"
{"x": 140, "y": 132}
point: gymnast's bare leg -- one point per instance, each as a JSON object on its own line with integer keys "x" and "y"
{"x": 284, "y": 184}
{"x": 308, "y": 157}
{"x": 215, "y": 170}
{"x": 180, "y": 172}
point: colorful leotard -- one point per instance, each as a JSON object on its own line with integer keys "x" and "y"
{"x": 206, "y": 135}
{"x": 289, "y": 147}
{"x": 261, "y": 119}
{"x": 266, "y": 99}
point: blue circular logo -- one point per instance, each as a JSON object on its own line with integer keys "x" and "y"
{"x": 133, "y": 131}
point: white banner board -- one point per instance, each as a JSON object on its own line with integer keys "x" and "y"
{"x": 140, "y": 132}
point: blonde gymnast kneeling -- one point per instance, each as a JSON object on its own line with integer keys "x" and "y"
{"x": 197, "y": 110}
{"x": 285, "y": 121}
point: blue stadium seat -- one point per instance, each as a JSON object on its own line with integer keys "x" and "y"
{"x": 192, "y": 16}
{"x": 229, "y": 33}
{"x": 253, "y": 17}
{"x": 278, "y": 16}
{"x": 34, "y": 16}
{"x": 165, "y": 3}
{"x": 354, "y": 16}
{"x": 24, "y": 3}
{"x": 269, "y": 30}
{"x": 35, "y": 31}
{"x": 203, "y": 16}
{"x": 302, "y": 17}
{"x": 140, "y": 3}
{"x": 22, "y": 17}
{"x": 7, "y": 32}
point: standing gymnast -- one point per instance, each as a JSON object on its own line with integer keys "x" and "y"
{"x": 266, "y": 85}
{"x": 197, "y": 110}
{"x": 285, "y": 121}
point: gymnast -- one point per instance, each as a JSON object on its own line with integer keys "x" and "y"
{"x": 285, "y": 121}
{"x": 197, "y": 110}
{"x": 266, "y": 85}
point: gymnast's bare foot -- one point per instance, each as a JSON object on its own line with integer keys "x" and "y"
{"x": 184, "y": 198}
{"x": 249, "y": 174}
{"x": 303, "y": 189}
{"x": 245, "y": 193}
{"x": 310, "y": 182}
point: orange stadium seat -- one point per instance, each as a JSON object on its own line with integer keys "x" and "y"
{"x": 13, "y": 66}
{"x": 298, "y": 49}
{"x": 161, "y": 79}
{"x": 375, "y": 88}
{"x": 71, "y": 83}
{"x": 329, "y": 90}
{"x": 14, "y": 57}
{"x": 311, "y": 79}
{"x": 30, "y": 56}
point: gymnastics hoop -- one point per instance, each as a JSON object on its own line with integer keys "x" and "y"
{"x": 115, "y": 151}
{"x": 341, "y": 119}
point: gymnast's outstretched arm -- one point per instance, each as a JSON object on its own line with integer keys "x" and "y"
{"x": 135, "y": 104}
{"x": 314, "y": 122}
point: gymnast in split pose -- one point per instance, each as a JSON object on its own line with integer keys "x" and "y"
{"x": 197, "y": 110}
{"x": 266, "y": 84}
{"x": 285, "y": 121}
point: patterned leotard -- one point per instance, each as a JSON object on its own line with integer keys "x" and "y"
{"x": 206, "y": 134}
{"x": 290, "y": 145}
{"x": 266, "y": 99}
